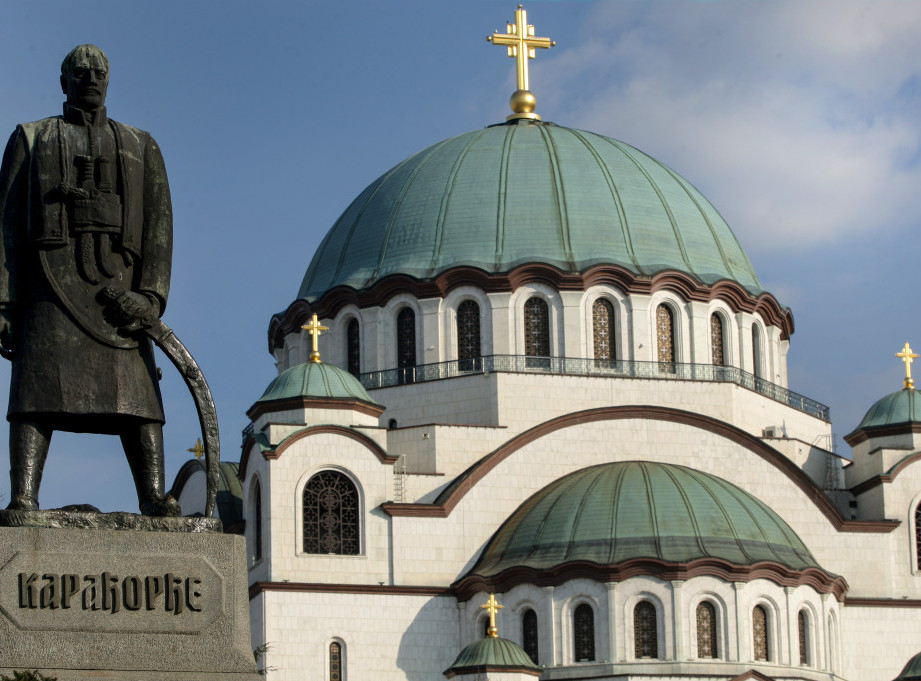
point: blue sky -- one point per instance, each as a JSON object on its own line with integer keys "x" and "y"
{"x": 799, "y": 120}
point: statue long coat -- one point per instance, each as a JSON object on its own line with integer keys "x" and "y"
{"x": 84, "y": 204}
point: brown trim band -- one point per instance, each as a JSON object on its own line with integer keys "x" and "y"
{"x": 818, "y": 579}
{"x": 260, "y": 408}
{"x": 257, "y": 588}
{"x": 361, "y": 438}
{"x": 878, "y": 480}
{"x": 881, "y": 603}
{"x": 681, "y": 283}
{"x": 863, "y": 434}
{"x": 449, "y": 498}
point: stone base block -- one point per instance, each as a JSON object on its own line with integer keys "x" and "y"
{"x": 80, "y": 604}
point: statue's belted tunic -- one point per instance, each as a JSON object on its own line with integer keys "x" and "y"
{"x": 84, "y": 204}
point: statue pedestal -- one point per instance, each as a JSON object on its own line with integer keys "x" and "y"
{"x": 80, "y": 604}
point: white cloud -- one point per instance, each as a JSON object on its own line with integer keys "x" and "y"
{"x": 790, "y": 116}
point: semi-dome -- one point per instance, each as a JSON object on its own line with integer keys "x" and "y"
{"x": 912, "y": 670}
{"x": 900, "y": 407}
{"x": 523, "y": 193}
{"x": 492, "y": 654}
{"x": 616, "y": 512}
{"x": 315, "y": 380}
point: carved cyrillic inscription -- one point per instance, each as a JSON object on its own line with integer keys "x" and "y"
{"x": 110, "y": 593}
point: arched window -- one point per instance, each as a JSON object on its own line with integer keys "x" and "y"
{"x": 537, "y": 330}
{"x": 529, "y": 634}
{"x": 756, "y": 351}
{"x": 760, "y": 633}
{"x": 665, "y": 336}
{"x": 353, "y": 347}
{"x": 335, "y": 661}
{"x": 406, "y": 338}
{"x": 257, "y": 521}
{"x": 803, "y": 623}
{"x": 918, "y": 534}
{"x": 603, "y": 331}
{"x": 706, "y": 630}
{"x": 331, "y": 514}
{"x": 832, "y": 645}
{"x": 716, "y": 339}
{"x": 645, "y": 636}
{"x": 583, "y": 629}
{"x": 468, "y": 335}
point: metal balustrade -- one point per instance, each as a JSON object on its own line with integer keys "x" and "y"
{"x": 576, "y": 366}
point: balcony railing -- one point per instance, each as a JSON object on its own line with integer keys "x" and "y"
{"x": 573, "y": 366}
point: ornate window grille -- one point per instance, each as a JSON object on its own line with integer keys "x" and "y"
{"x": 335, "y": 661}
{"x": 918, "y": 534}
{"x": 331, "y": 515}
{"x": 665, "y": 334}
{"x": 603, "y": 330}
{"x": 645, "y": 636}
{"x": 406, "y": 338}
{"x": 760, "y": 633}
{"x": 536, "y": 328}
{"x": 353, "y": 348}
{"x": 468, "y": 334}
{"x": 803, "y": 623}
{"x": 716, "y": 339}
{"x": 756, "y": 351}
{"x": 529, "y": 634}
{"x": 583, "y": 622}
{"x": 257, "y": 522}
{"x": 706, "y": 630}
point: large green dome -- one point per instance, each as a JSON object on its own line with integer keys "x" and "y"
{"x": 522, "y": 193}
{"x": 616, "y": 512}
{"x": 900, "y": 407}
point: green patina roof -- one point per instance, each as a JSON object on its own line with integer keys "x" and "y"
{"x": 495, "y": 653}
{"x": 230, "y": 494}
{"x": 527, "y": 193}
{"x": 902, "y": 406}
{"x": 615, "y": 512}
{"x": 317, "y": 380}
{"x": 912, "y": 670}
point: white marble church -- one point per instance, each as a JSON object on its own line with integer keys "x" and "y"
{"x": 549, "y": 373}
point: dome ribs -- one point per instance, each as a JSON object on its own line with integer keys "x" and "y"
{"x": 559, "y": 196}
{"x": 503, "y": 192}
{"x": 446, "y": 201}
{"x": 615, "y": 196}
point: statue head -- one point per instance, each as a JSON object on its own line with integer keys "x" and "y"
{"x": 85, "y": 77}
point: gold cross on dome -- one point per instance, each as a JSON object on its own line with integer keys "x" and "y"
{"x": 521, "y": 42}
{"x": 492, "y": 607}
{"x": 198, "y": 450}
{"x": 314, "y": 328}
{"x": 907, "y": 356}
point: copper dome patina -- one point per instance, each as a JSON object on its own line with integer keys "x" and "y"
{"x": 525, "y": 193}
{"x": 315, "y": 380}
{"x": 900, "y": 407}
{"x": 617, "y": 512}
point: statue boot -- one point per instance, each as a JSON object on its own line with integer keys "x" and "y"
{"x": 28, "y": 450}
{"x": 144, "y": 451}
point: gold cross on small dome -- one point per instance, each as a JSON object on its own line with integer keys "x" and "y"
{"x": 492, "y": 607}
{"x": 907, "y": 356}
{"x": 314, "y": 328}
{"x": 521, "y": 42}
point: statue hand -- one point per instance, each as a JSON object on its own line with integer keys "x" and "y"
{"x": 6, "y": 333}
{"x": 127, "y": 309}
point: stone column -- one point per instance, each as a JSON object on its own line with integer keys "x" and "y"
{"x": 429, "y": 344}
{"x": 613, "y": 633}
{"x": 792, "y": 629}
{"x": 678, "y": 621}
{"x": 573, "y": 336}
{"x": 553, "y": 655}
{"x": 699, "y": 325}
{"x": 740, "y": 623}
{"x": 642, "y": 344}
{"x": 501, "y": 342}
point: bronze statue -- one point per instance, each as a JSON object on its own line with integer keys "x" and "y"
{"x": 85, "y": 255}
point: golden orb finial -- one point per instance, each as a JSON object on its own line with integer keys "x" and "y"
{"x": 908, "y": 356}
{"x": 492, "y": 607}
{"x": 314, "y": 328}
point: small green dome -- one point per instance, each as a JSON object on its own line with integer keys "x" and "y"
{"x": 524, "y": 193}
{"x": 615, "y": 512}
{"x": 493, "y": 653}
{"x": 315, "y": 380}
{"x": 912, "y": 670}
{"x": 902, "y": 406}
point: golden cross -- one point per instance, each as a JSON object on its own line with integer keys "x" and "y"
{"x": 521, "y": 42}
{"x": 198, "y": 450}
{"x": 492, "y": 607}
{"x": 314, "y": 329}
{"x": 907, "y": 356}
